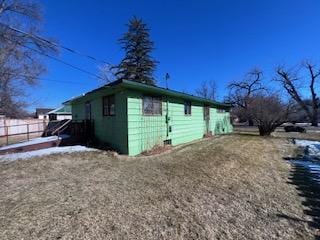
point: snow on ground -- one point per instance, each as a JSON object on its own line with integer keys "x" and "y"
{"x": 35, "y": 141}
{"x": 313, "y": 146}
{"x": 311, "y": 159}
{"x": 43, "y": 152}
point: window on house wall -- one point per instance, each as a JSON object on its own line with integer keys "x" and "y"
{"x": 52, "y": 117}
{"x": 152, "y": 105}
{"x": 187, "y": 107}
{"x": 88, "y": 110}
{"x": 221, "y": 110}
{"x": 108, "y": 106}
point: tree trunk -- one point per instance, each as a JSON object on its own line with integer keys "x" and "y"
{"x": 314, "y": 120}
{"x": 264, "y": 132}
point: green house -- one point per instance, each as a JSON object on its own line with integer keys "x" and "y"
{"x": 133, "y": 117}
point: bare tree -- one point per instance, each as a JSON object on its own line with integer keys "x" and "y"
{"x": 208, "y": 90}
{"x": 20, "y": 61}
{"x": 268, "y": 112}
{"x": 291, "y": 82}
{"x": 107, "y": 73}
{"x": 241, "y": 93}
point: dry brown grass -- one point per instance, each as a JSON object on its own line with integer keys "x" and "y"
{"x": 230, "y": 187}
{"x": 313, "y": 133}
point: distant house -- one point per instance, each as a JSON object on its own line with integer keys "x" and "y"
{"x": 42, "y": 113}
{"x": 133, "y": 117}
{"x": 61, "y": 113}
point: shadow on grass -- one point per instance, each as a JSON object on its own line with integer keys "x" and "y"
{"x": 308, "y": 186}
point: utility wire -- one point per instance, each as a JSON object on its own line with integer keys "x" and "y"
{"x": 48, "y": 79}
{"x": 56, "y": 44}
{"x": 59, "y": 60}
{"x": 63, "y": 62}
{"x": 59, "y": 81}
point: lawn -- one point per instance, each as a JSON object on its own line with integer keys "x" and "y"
{"x": 228, "y": 187}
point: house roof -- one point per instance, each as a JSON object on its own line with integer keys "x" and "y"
{"x": 63, "y": 110}
{"x": 43, "y": 110}
{"x": 152, "y": 89}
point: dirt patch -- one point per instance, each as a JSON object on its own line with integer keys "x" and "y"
{"x": 231, "y": 187}
{"x": 157, "y": 149}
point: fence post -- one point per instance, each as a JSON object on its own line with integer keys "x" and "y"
{"x": 6, "y": 129}
{"x": 44, "y": 128}
{"x": 28, "y": 132}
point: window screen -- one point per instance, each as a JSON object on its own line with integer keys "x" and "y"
{"x": 152, "y": 105}
{"x": 88, "y": 110}
{"x": 187, "y": 108}
{"x": 221, "y": 110}
{"x": 108, "y": 106}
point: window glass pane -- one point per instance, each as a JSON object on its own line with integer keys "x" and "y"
{"x": 187, "y": 108}
{"x": 112, "y": 105}
{"x": 152, "y": 105}
{"x": 156, "y": 105}
{"x": 105, "y": 106}
{"x": 147, "y": 105}
{"x": 88, "y": 110}
{"x": 109, "y": 107}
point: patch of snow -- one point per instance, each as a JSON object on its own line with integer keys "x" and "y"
{"x": 311, "y": 157}
{"x": 43, "y": 152}
{"x": 312, "y": 146}
{"x": 35, "y": 141}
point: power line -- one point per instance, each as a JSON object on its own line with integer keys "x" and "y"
{"x": 59, "y": 60}
{"x": 50, "y": 80}
{"x": 59, "y": 81}
{"x": 56, "y": 44}
{"x": 63, "y": 62}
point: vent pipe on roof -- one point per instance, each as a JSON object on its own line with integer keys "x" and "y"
{"x": 167, "y": 77}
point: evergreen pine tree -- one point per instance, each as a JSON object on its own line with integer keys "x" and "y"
{"x": 137, "y": 65}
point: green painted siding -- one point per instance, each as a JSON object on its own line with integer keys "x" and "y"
{"x": 146, "y": 131}
{"x": 108, "y": 129}
{"x": 220, "y": 122}
{"x": 185, "y": 128}
{"x": 131, "y": 132}
{"x": 143, "y": 131}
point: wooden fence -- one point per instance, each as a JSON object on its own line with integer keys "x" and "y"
{"x": 15, "y": 130}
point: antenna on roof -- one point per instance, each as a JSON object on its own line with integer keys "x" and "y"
{"x": 167, "y": 77}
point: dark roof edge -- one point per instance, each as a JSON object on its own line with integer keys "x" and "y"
{"x": 169, "y": 92}
{"x": 141, "y": 86}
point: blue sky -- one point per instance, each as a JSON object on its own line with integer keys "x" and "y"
{"x": 194, "y": 40}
